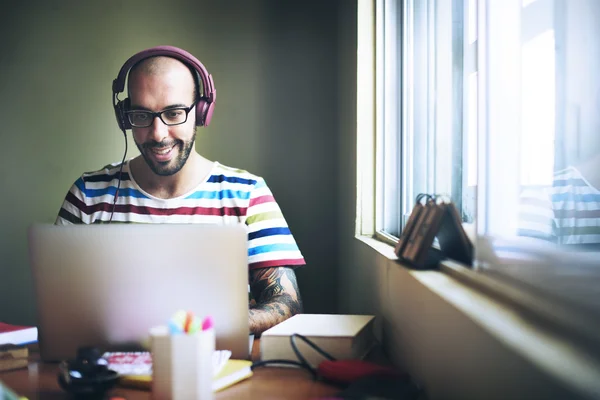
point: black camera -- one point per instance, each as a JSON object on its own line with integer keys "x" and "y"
{"x": 88, "y": 375}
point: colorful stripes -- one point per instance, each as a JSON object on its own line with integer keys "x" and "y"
{"x": 567, "y": 213}
{"x": 576, "y": 197}
{"x": 107, "y": 191}
{"x": 219, "y": 195}
{"x": 227, "y": 196}
{"x": 269, "y": 232}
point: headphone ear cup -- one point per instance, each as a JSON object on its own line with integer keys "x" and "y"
{"x": 204, "y": 111}
{"x": 122, "y": 119}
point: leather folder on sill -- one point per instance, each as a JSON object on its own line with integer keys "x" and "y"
{"x": 430, "y": 221}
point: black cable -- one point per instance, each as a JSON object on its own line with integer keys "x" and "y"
{"x": 265, "y": 363}
{"x": 119, "y": 184}
{"x": 302, "y": 363}
{"x": 311, "y": 344}
{"x": 257, "y": 364}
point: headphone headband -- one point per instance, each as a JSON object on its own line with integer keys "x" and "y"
{"x": 208, "y": 89}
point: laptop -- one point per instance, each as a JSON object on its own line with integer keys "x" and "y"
{"x": 107, "y": 285}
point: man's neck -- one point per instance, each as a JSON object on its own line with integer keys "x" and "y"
{"x": 166, "y": 187}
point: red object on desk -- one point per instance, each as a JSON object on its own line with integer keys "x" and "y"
{"x": 348, "y": 371}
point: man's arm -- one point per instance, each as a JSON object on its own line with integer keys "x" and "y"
{"x": 277, "y": 297}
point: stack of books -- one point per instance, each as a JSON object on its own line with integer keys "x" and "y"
{"x": 13, "y": 340}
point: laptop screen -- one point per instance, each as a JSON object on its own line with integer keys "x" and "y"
{"x": 107, "y": 285}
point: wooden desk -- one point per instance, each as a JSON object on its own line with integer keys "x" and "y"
{"x": 38, "y": 381}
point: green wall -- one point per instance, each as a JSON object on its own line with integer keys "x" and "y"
{"x": 275, "y": 65}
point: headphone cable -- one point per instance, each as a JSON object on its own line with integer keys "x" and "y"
{"x": 119, "y": 184}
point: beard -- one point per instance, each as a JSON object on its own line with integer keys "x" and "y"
{"x": 174, "y": 165}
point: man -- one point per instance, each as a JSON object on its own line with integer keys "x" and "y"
{"x": 171, "y": 183}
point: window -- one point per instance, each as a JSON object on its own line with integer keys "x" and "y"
{"x": 426, "y": 69}
{"x": 419, "y": 118}
{"x": 496, "y": 105}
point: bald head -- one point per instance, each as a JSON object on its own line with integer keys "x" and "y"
{"x": 160, "y": 65}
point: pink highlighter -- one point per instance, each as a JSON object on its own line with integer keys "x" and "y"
{"x": 208, "y": 323}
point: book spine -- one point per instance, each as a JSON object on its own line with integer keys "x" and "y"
{"x": 414, "y": 242}
{"x": 410, "y": 225}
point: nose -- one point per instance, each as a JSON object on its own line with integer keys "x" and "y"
{"x": 158, "y": 130}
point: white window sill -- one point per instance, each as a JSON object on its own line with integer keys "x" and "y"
{"x": 517, "y": 324}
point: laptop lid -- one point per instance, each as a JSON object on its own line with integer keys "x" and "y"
{"x": 107, "y": 285}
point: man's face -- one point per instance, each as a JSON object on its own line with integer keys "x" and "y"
{"x": 164, "y": 148}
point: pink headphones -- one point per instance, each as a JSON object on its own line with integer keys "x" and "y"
{"x": 205, "y": 104}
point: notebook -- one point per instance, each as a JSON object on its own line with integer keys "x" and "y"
{"x": 139, "y": 363}
{"x": 107, "y": 285}
{"x": 135, "y": 369}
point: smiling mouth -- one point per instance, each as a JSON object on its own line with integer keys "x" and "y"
{"x": 162, "y": 154}
{"x": 162, "y": 150}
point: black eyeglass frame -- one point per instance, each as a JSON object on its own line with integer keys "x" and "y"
{"x": 159, "y": 115}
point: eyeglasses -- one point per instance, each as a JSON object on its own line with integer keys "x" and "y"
{"x": 170, "y": 116}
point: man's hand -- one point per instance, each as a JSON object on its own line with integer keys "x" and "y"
{"x": 277, "y": 297}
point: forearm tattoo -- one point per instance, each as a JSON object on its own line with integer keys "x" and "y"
{"x": 277, "y": 297}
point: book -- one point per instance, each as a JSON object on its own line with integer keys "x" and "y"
{"x": 13, "y": 351}
{"x": 140, "y": 362}
{"x": 129, "y": 363}
{"x": 441, "y": 221}
{"x": 413, "y": 242}
{"x": 452, "y": 237}
{"x": 344, "y": 337}
{"x": 135, "y": 369}
{"x": 13, "y": 363}
{"x": 406, "y": 232}
{"x": 426, "y": 234}
{"x": 13, "y": 357}
{"x": 17, "y": 334}
{"x": 232, "y": 372}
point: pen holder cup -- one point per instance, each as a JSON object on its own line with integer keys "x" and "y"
{"x": 182, "y": 367}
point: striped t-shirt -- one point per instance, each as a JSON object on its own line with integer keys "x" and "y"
{"x": 226, "y": 196}
{"x": 567, "y": 213}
